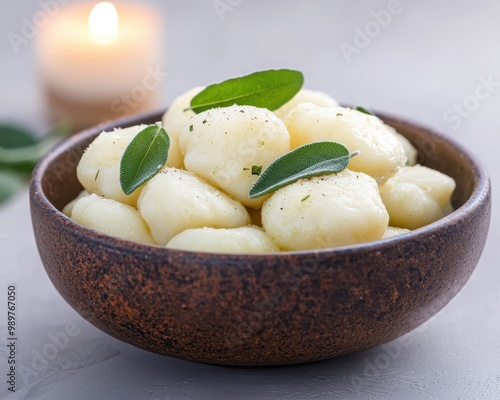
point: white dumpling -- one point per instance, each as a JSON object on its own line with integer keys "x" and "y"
{"x": 68, "y": 208}
{"x": 111, "y": 218}
{"x": 381, "y": 153}
{"x": 326, "y": 211}
{"x": 176, "y": 200}
{"x": 174, "y": 120}
{"x": 246, "y": 239}
{"x": 99, "y": 167}
{"x": 306, "y": 96}
{"x": 417, "y": 196}
{"x": 392, "y": 231}
{"x": 411, "y": 152}
{"x": 223, "y": 144}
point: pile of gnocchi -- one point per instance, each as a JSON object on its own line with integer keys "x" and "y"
{"x": 199, "y": 201}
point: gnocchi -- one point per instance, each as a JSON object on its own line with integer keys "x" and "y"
{"x": 112, "y": 218}
{"x": 99, "y": 167}
{"x": 68, "y": 208}
{"x": 381, "y": 153}
{"x": 392, "y": 231}
{"x": 417, "y": 196}
{"x": 306, "y": 96}
{"x": 246, "y": 239}
{"x": 174, "y": 120}
{"x": 410, "y": 151}
{"x": 176, "y": 200}
{"x": 326, "y": 211}
{"x": 223, "y": 144}
{"x": 200, "y": 199}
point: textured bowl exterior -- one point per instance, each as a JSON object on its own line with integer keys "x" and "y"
{"x": 268, "y": 309}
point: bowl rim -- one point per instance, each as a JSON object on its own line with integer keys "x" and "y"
{"x": 480, "y": 190}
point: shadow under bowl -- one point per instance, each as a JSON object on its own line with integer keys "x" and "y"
{"x": 266, "y": 309}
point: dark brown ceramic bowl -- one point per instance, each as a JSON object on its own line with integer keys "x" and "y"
{"x": 269, "y": 309}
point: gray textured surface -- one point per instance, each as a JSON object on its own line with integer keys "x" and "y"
{"x": 428, "y": 58}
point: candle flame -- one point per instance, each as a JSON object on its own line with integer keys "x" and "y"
{"x": 103, "y": 23}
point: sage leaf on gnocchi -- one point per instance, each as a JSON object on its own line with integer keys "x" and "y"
{"x": 364, "y": 110}
{"x": 306, "y": 161}
{"x": 266, "y": 89}
{"x": 144, "y": 157}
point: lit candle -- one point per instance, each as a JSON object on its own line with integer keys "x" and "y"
{"x": 99, "y": 62}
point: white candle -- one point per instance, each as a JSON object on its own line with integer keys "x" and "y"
{"x": 99, "y": 62}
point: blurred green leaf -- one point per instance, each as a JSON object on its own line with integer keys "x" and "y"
{"x": 26, "y": 154}
{"x": 10, "y": 183}
{"x": 20, "y": 151}
{"x": 14, "y": 136}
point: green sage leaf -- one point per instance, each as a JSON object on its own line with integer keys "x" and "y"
{"x": 364, "y": 110}
{"x": 309, "y": 160}
{"x": 267, "y": 89}
{"x": 144, "y": 157}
